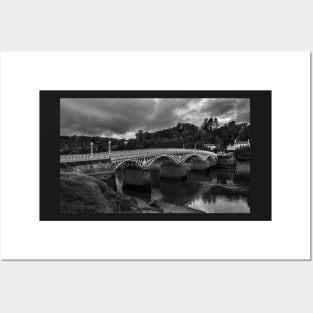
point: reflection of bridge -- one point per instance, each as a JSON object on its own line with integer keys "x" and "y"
{"x": 142, "y": 158}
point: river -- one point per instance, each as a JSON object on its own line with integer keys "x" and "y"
{"x": 212, "y": 191}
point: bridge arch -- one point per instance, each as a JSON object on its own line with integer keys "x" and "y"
{"x": 117, "y": 164}
{"x": 188, "y": 156}
{"x": 166, "y": 156}
{"x": 212, "y": 159}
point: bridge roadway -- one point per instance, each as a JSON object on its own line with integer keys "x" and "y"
{"x": 142, "y": 158}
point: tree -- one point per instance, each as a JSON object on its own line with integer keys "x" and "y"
{"x": 210, "y": 124}
{"x": 219, "y": 141}
{"x": 120, "y": 145}
{"x": 204, "y": 125}
{"x": 132, "y": 144}
{"x": 244, "y": 133}
{"x": 231, "y": 124}
{"x": 65, "y": 149}
{"x": 101, "y": 148}
{"x": 215, "y": 123}
{"x": 139, "y": 135}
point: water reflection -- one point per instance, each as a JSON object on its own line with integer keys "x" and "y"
{"x": 214, "y": 191}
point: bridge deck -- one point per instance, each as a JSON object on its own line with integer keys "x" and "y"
{"x": 126, "y": 154}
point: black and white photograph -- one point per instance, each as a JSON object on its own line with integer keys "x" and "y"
{"x": 155, "y": 155}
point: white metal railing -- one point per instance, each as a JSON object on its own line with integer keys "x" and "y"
{"x": 127, "y": 154}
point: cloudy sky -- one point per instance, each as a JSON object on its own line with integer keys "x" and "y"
{"x": 121, "y": 118}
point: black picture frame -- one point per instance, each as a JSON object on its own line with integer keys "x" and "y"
{"x": 260, "y": 174}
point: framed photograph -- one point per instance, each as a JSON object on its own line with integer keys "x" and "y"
{"x": 155, "y": 156}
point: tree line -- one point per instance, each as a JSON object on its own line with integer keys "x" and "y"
{"x": 182, "y": 135}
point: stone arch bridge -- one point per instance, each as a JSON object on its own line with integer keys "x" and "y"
{"x": 142, "y": 158}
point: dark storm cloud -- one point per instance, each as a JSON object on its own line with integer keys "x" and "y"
{"x": 218, "y": 107}
{"x": 103, "y": 116}
{"x": 123, "y": 117}
{"x": 234, "y": 108}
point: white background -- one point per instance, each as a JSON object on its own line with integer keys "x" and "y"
{"x": 25, "y": 237}
{"x": 151, "y": 286}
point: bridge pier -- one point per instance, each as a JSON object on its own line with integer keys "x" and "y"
{"x": 173, "y": 171}
{"x": 137, "y": 179}
{"x": 200, "y": 165}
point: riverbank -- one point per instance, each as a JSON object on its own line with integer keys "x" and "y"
{"x": 80, "y": 193}
{"x": 164, "y": 207}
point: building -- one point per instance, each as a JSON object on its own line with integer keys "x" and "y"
{"x": 211, "y": 146}
{"x": 238, "y": 145}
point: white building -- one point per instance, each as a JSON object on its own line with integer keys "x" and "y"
{"x": 238, "y": 145}
{"x": 211, "y": 146}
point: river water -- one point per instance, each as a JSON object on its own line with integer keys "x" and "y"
{"x": 212, "y": 191}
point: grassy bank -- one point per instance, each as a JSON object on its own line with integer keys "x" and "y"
{"x": 80, "y": 193}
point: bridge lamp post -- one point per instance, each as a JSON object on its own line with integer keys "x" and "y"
{"x": 109, "y": 148}
{"x": 91, "y": 148}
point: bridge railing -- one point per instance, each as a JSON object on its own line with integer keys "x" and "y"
{"x": 127, "y": 153}
{"x": 83, "y": 157}
{"x": 143, "y": 152}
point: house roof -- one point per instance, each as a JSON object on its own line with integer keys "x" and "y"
{"x": 240, "y": 142}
